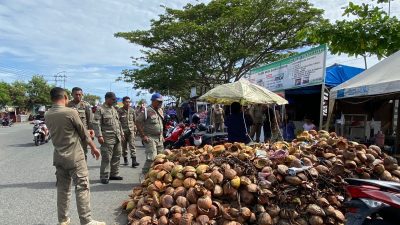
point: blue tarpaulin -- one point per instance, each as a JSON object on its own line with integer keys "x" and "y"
{"x": 337, "y": 74}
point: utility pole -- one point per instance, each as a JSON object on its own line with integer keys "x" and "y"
{"x": 59, "y": 77}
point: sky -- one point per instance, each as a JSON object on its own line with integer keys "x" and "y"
{"x": 76, "y": 38}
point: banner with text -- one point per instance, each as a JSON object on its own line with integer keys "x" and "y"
{"x": 300, "y": 70}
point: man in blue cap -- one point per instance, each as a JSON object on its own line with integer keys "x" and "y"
{"x": 150, "y": 128}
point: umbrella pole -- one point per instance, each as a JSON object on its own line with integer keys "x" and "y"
{"x": 276, "y": 121}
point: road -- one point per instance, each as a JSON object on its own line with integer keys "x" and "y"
{"x": 27, "y": 183}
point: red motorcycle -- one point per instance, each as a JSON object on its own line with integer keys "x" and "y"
{"x": 372, "y": 202}
{"x": 174, "y": 135}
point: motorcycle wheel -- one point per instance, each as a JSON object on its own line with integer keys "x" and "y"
{"x": 376, "y": 222}
{"x": 36, "y": 141}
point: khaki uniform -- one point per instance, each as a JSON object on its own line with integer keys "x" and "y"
{"x": 86, "y": 115}
{"x": 218, "y": 119}
{"x": 257, "y": 114}
{"x": 128, "y": 119}
{"x": 67, "y": 133}
{"x": 152, "y": 128}
{"x": 106, "y": 124}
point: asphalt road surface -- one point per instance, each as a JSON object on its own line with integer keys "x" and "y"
{"x": 27, "y": 183}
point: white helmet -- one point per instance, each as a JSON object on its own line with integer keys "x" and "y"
{"x": 42, "y": 108}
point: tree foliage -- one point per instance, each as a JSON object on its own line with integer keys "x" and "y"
{"x": 5, "y": 98}
{"x": 371, "y": 32}
{"x": 91, "y": 99}
{"x": 218, "y": 42}
{"x": 38, "y": 91}
{"x": 18, "y": 93}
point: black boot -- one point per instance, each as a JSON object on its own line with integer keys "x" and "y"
{"x": 134, "y": 163}
{"x": 125, "y": 161}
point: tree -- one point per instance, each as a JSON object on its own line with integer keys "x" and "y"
{"x": 18, "y": 93}
{"x": 5, "y": 98}
{"x": 207, "y": 44}
{"x": 91, "y": 99}
{"x": 38, "y": 91}
{"x": 372, "y": 32}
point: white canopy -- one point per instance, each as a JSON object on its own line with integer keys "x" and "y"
{"x": 380, "y": 79}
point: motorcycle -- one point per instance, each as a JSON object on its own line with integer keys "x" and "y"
{"x": 39, "y": 134}
{"x": 6, "y": 122}
{"x": 173, "y": 136}
{"x": 372, "y": 202}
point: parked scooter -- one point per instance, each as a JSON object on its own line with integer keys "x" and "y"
{"x": 6, "y": 122}
{"x": 372, "y": 202}
{"x": 39, "y": 133}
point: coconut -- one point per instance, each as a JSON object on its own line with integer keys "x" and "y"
{"x": 209, "y": 184}
{"x": 315, "y": 210}
{"x": 245, "y": 180}
{"x": 163, "y": 220}
{"x": 167, "y": 201}
{"x": 316, "y": 220}
{"x": 386, "y": 175}
{"x": 264, "y": 219}
{"x": 182, "y": 202}
{"x": 176, "y": 169}
{"x": 202, "y": 219}
{"x": 229, "y": 174}
{"x": 201, "y": 169}
{"x": 187, "y": 219}
{"x": 192, "y": 209}
{"x": 216, "y": 177}
{"x": 379, "y": 169}
{"x": 177, "y": 183}
{"x": 329, "y": 210}
{"x": 179, "y": 191}
{"x": 218, "y": 191}
{"x": 350, "y": 164}
{"x": 322, "y": 169}
{"x": 163, "y": 211}
{"x": 246, "y": 197}
{"x": 189, "y": 182}
{"x": 339, "y": 216}
{"x": 390, "y": 163}
{"x": 282, "y": 169}
{"x": 235, "y": 182}
{"x": 204, "y": 202}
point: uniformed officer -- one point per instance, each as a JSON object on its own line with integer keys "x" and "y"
{"x": 68, "y": 131}
{"x": 109, "y": 134}
{"x": 127, "y": 117}
{"x": 150, "y": 127}
{"x": 84, "y": 110}
{"x": 257, "y": 114}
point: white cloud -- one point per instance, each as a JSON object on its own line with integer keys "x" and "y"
{"x": 47, "y": 36}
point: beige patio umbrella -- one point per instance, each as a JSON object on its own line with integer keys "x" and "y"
{"x": 244, "y": 92}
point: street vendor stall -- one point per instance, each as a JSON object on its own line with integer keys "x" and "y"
{"x": 374, "y": 96}
{"x": 244, "y": 92}
{"x": 304, "y": 81}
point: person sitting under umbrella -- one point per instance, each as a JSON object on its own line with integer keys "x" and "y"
{"x": 236, "y": 125}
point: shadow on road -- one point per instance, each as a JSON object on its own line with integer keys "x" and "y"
{"x": 34, "y": 185}
{"x": 97, "y": 186}
{"x": 121, "y": 218}
{"x": 30, "y": 144}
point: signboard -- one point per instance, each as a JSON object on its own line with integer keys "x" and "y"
{"x": 300, "y": 70}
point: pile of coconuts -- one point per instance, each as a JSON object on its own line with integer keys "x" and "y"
{"x": 281, "y": 183}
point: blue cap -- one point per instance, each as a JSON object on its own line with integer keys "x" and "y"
{"x": 157, "y": 97}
